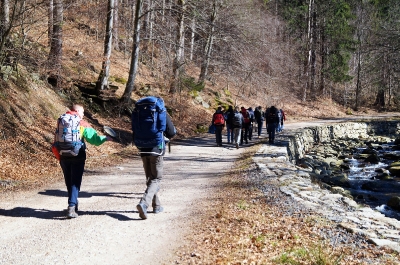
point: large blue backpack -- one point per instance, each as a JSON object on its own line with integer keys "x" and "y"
{"x": 149, "y": 121}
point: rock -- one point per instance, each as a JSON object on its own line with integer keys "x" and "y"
{"x": 395, "y": 171}
{"x": 394, "y": 203}
{"x": 338, "y": 180}
{"x": 383, "y": 176}
{"x": 370, "y": 185}
{"x": 373, "y": 159}
{"x": 395, "y": 164}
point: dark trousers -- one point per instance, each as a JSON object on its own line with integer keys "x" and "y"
{"x": 245, "y": 133}
{"x": 271, "y": 127}
{"x": 73, "y": 172}
{"x": 218, "y": 133}
{"x": 153, "y": 169}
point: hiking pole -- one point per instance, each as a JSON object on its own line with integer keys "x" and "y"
{"x": 169, "y": 146}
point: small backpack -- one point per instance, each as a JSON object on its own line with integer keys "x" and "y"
{"x": 149, "y": 121}
{"x": 219, "y": 119}
{"x": 68, "y": 136}
{"x": 237, "y": 119}
{"x": 272, "y": 117}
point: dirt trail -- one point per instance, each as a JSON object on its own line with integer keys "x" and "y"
{"x": 34, "y": 229}
{"x": 109, "y": 231}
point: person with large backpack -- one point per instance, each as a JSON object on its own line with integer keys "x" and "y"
{"x": 272, "y": 121}
{"x": 228, "y": 118}
{"x": 237, "y": 124}
{"x": 70, "y": 148}
{"x": 218, "y": 120}
{"x": 152, "y": 128}
{"x": 259, "y": 117}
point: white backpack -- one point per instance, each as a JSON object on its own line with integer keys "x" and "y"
{"x": 68, "y": 136}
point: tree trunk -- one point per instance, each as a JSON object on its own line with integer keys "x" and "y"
{"x": 116, "y": 26}
{"x": 313, "y": 53}
{"x": 193, "y": 31}
{"x": 55, "y": 54}
{"x": 102, "y": 81}
{"x": 126, "y": 97}
{"x": 307, "y": 64}
{"x": 50, "y": 23}
{"x": 4, "y": 23}
{"x": 208, "y": 46}
{"x": 177, "y": 65}
{"x": 358, "y": 81}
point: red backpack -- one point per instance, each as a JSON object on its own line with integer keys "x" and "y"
{"x": 219, "y": 119}
{"x": 246, "y": 117}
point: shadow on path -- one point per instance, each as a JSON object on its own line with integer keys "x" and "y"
{"x": 26, "y": 212}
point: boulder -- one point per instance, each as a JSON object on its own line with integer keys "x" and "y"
{"x": 338, "y": 180}
{"x": 395, "y": 164}
{"x": 394, "y": 203}
{"x": 395, "y": 171}
{"x": 370, "y": 186}
{"x": 373, "y": 159}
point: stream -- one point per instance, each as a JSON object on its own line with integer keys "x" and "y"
{"x": 367, "y": 180}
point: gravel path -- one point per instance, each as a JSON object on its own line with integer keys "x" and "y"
{"x": 109, "y": 231}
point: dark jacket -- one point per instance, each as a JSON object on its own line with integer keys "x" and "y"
{"x": 259, "y": 115}
{"x": 229, "y": 115}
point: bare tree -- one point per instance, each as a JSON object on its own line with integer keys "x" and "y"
{"x": 209, "y": 43}
{"x": 102, "y": 81}
{"x": 115, "y": 28}
{"x": 50, "y": 21}
{"x": 177, "y": 66}
{"x": 126, "y": 97}
{"x": 55, "y": 54}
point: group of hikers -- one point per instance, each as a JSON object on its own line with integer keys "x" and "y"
{"x": 240, "y": 123}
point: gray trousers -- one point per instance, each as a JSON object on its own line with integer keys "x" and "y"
{"x": 153, "y": 169}
{"x": 237, "y": 132}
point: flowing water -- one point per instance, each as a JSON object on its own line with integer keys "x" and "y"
{"x": 366, "y": 188}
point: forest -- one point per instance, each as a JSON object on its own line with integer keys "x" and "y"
{"x": 343, "y": 50}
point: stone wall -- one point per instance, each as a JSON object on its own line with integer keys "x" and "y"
{"x": 300, "y": 141}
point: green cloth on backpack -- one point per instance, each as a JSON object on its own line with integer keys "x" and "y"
{"x": 90, "y": 135}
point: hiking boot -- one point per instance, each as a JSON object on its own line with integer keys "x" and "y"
{"x": 142, "y": 210}
{"x": 237, "y": 146}
{"x": 71, "y": 212}
{"x": 158, "y": 209}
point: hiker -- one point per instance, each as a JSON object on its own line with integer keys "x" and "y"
{"x": 245, "y": 126}
{"x": 272, "y": 121}
{"x": 237, "y": 123}
{"x": 228, "y": 118}
{"x": 219, "y": 121}
{"x": 278, "y": 125}
{"x": 251, "y": 117}
{"x": 259, "y": 118}
{"x": 283, "y": 118}
{"x": 71, "y": 148}
{"x": 150, "y": 123}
